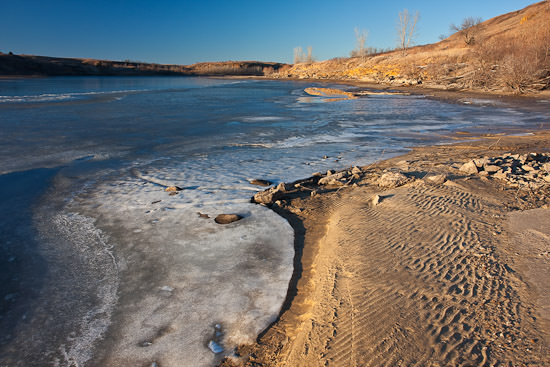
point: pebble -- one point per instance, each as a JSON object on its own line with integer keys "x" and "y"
{"x": 173, "y": 189}
{"x": 215, "y": 347}
{"x": 167, "y": 288}
{"x": 227, "y": 218}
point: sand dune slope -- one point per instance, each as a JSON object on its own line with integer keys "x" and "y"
{"x": 415, "y": 281}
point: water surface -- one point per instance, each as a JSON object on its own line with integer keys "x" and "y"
{"x": 100, "y": 266}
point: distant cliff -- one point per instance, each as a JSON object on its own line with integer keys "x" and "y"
{"x": 11, "y": 64}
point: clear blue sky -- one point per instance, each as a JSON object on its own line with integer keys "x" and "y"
{"x": 188, "y": 31}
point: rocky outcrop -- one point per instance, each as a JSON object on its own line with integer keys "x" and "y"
{"x": 532, "y": 169}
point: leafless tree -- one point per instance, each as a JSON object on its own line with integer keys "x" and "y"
{"x": 309, "y": 56}
{"x": 301, "y": 57}
{"x": 360, "y": 39}
{"x": 406, "y": 28}
{"x": 468, "y": 28}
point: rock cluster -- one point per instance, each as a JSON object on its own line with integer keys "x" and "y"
{"x": 331, "y": 180}
{"x": 271, "y": 195}
{"x": 518, "y": 170}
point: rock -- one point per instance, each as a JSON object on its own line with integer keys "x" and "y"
{"x": 333, "y": 179}
{"x": 154, "y": 364}
{"x": 489, "y": 168}
{"x": 469, "y": 168}
{"x": 166, "y": 288}
{"x": 173, "y": 189}
{"x": 260, "y": 182}
{"x": 480, "y": 162}
{"x": 437, "y": 179}
{"x": 356, "y": 170}
{"x": 215, "y": 347}
{"x": 330, "y": 172}
{"x": 316, "y": 174}
{"x": 392, "y": 179}
{"x": 268, "y": 196}
{"x": 374, "y": 200}
{"x": 227, "y": 218}
{"x": 283, "y": 187}
{"x": 527, "y": 168}
{"x": 546, "y": 178}
{"x": 202, "y": 215}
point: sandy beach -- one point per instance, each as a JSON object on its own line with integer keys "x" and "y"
{"x": 419, "y": 260}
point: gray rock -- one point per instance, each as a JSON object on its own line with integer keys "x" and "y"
{"x": 469, "y": 168}
{"x": 227, "y": 218}
{"x": 215, "y": 347}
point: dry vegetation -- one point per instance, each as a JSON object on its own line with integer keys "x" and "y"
{"x": 510, "y": 52}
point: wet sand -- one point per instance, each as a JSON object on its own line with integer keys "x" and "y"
{"x": 440, "y": 271}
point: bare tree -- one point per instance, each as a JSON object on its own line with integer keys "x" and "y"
{"x": 468, "y": 28}
{"x": 360, "y": 40}
{"x": 309, "y": 57}
{"x": 301, "y": 57}
{"x": 406, "y": 28}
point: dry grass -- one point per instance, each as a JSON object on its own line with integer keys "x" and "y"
{"x": 511, "y": 52}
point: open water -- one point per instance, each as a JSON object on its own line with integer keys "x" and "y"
{"x": 100, "y": 266}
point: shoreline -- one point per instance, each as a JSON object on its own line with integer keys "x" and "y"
{"x": 312, "y": 219}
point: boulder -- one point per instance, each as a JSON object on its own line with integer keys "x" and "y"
{"x": 227, "y": 218}
{"x": 469, "y": 168}
{"x": 490, "y": 168}
{"x": 480, "y": 162}
{"x": 173, "y": 189}
{"x": 333, "y": 179}
{"x": 392, "y": 179}
{"x": 437, "y": 179}
{"x": 356, "y": 170}
{"x": 501, "y": 175}
{"x": 271, "y": 195}
{"x": 260, "y": 182}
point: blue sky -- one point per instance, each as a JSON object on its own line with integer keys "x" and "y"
{"x": 188, "y": 31}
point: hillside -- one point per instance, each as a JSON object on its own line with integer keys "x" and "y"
{"x": 510, "y": 52}
{"x": 53, "y": 66}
